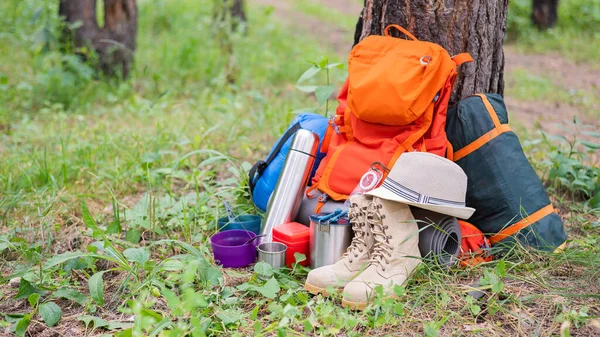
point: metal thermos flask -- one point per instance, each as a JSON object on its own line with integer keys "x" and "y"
{"x": 285, "y": 199}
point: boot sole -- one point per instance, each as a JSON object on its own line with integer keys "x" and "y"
{"x": 360, "y": 306}
{"x": 316, "y": 290}
{"x": 354, "y": 305}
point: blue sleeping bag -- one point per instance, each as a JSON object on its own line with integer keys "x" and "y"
{"x": 264, "y": 174}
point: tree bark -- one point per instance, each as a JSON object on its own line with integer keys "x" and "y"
{"x": 474, "y": 26}
{"x": 545, "y": 13}
{"x": 237, "y": 11}
{"x": 115, "y": 42}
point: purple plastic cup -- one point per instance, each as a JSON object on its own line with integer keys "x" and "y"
{"x": 230, "y": 251}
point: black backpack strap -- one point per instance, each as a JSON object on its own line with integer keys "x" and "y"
{"x": 259, "y": 168}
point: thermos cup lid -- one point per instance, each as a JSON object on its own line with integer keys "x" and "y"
{"x": 306, "y": 142}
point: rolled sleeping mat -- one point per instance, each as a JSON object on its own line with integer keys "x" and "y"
{"x": 308, "y": 206}
{"x": 439, "y": 236}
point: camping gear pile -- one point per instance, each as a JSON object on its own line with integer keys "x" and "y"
{"x": 405, "y": 167}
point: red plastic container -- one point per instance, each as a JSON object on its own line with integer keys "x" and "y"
{"x": 296, "y": 237}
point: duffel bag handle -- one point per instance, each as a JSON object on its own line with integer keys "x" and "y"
{"x": 400, "y": 28}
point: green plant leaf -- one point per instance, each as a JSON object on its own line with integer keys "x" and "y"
{"x": 398, "y": 309}
{"x": 160, "y": 326}
{"x": 64, "y": 257}
{"x": 431, "y": 329}
{"x": 595, "y": 201}
{"x": 114, "y": 228}
{"x": 257, "y": 328}
{"x": 335, "y": 65}
{"x": 323, "y": 92}
{"x": 33, "y": 299}
{"x": 308, "y": 74}
{"x": 229, "y": 316}
{"x": 399, "y": 290}
{"x": 96, "y": 286}
{"x": 299, "y": 257}
{"x": 270, "y": 288}
{"x": 139, "y": 255}
{"x": 22, "y": 325}
{"x": 307, "y": 88}
{"x": 97, "y": 321}
{"x": 133, "y": 235}
{"x": 501, "y": 268}
{"x": 51, "y": 313}
{"x": 89, "y": 221}
{"x": 323, "y": 62}
{"x": 124, "y": 333}
{"x": 25, "y": 289}
{"x": 72, "y": 295}
{"x": 475, "y": 309}
{"x": 116, "y": 256}
{"x": 594, "y": 146}
{"x": 171, "y": 265}
{"x": 263, "y": 269}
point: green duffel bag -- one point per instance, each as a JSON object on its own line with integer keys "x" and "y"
{"x": 510, "y": 200}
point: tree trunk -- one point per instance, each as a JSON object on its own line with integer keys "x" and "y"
{"x": 545, "y": 13}
{"x": 474, "y": 26}
{"x": 229, "y": 11}
{"x": 114, "y": 43}
{"x": 237, "y": 11}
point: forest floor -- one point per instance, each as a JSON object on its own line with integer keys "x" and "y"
{"x": 109, "y": 191}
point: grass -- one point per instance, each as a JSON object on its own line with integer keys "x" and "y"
{"x": 571, "y": 37}
{"x": 327, "y": 14}
{"x": 110, "y": 190}
{"x": 526, "y": 86}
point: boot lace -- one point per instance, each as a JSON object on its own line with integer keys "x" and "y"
{"x": 382, "y": 250}
{"x": 358, "y": 241}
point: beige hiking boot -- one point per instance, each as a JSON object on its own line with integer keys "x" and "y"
{"x": 353, "y": 261}
{"x": 395, "y": 254}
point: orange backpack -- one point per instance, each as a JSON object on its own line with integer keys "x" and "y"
{"x": 394, "y": 100}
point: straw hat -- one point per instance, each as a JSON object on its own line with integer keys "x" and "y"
{"x": 427, "y": 181}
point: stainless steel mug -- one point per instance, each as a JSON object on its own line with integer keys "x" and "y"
{"x": 328, "y": 241}
{"x": 284, "y": 202}
{"x": 272, "y": 253}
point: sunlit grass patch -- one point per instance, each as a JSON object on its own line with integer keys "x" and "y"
{"x": 526, "y": 86}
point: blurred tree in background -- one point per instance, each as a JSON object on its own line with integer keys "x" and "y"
{"x": 237, "y": 10}
{"x": 545, "y": 13}
{"x": 230, "y": 16}
{"x": 114, "y": 39}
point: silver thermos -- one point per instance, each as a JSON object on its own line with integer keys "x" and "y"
{"x": 285, "y": 200}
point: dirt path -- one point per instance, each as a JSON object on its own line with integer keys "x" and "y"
{"x": 548, "y": 116}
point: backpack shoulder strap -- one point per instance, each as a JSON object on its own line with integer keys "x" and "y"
{"x": 259, "y": 168}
